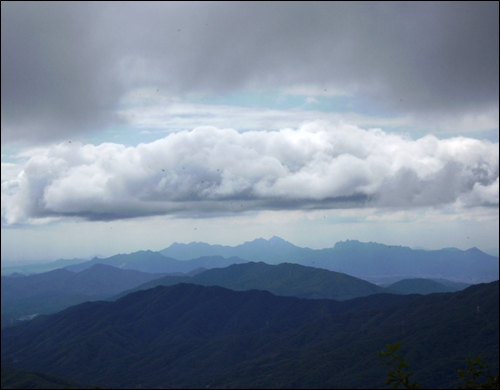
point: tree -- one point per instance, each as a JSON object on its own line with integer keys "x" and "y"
{"x": 400, "y": 373}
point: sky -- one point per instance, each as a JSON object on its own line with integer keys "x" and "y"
{"x": 128, "y": 126}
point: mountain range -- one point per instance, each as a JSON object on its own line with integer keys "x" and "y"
{"x": 283, "y": 279}
{"x": 374, "y": 262}
{"x": 365, "y": 260}
{"x": 55, "y": 290}
{"x": 207, "y": 336}
{"x": 27, "y": 269}
{"x": 258, "y": 315}
{"x": 155, "y": 262}
{"x": 272, "y": 251}
{"x": 28, "y": 296}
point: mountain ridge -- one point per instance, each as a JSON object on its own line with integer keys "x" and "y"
{"x": 57, "y": 289}
{"x": 284, "y": 279}
{"x": 195, "y": 336}
{"x": 370, "y": 261}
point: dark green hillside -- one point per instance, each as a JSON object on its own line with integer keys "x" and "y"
{"x": 420, "y": 286}
{"x": 167, "y": 280}
{"x": 195, "y": 336}
{"x": 18, "y": 379}
{"x": 282, "y": 279}
{"x": 288, "y": 280}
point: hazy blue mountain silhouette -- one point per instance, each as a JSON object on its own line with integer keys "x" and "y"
{"x": 272, "y": 251}
{"x": 155, "y": 262}
{"x": 374, "y": 262}
{"x": 196, "y": 336}
{"x": 36, "y": 268}
{"x": 370, "y": 261}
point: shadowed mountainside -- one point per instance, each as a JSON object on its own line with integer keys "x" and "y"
{"x": 19, "y": 379}
{"x": 195, "y": 336}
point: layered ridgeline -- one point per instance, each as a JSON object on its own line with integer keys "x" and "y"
{"x": 284, "y": 279}
{"x": 25, "y": 297}
{"x": 370, "y": 261}
{"x": 196, "y": 336}
{"x": 28, "y": 269}
{"x": 272, "y": 251}
{"x": 377, "y": 263}
{"x": 155, "y": 262}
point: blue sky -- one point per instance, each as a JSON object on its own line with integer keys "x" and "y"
{"x": 135, "y": 125}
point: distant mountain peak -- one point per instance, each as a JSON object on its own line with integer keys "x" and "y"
{"x": 473, "y": 250}
{"x": 260, "y": 239}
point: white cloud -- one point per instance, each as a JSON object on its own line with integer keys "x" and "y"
{"x": 212, "y": 171}
{"x": 10, "y": 171}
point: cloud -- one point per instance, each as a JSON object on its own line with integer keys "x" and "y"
{"x": 166, "y": 117}
{"x": 211, "y": 171}
{"x": 66, "y": 66}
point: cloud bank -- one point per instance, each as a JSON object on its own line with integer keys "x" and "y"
{"x": 211, "y": 171}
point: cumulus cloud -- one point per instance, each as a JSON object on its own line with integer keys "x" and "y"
{"x": 212, "y": 171}
{"x": 67, "y": 65}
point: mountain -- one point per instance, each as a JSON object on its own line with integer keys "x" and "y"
{"x": 374, "y": 262}
{"x": 40, "y": 267}
{"x": 196, "y": 336}
{"x": 18, "y": 379}
{"x": 155, "y": 262}
{"x": 55, "y": 290}
{"x": 420, "y": 286}
{"x": 492, "y": 251}
{"x": 284, "y": 279}
{"x": 457, "y": 286}
{"x": 15, "y": 275}
{"x": 371, "y": 260}
{"x": 272, "y": 251}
